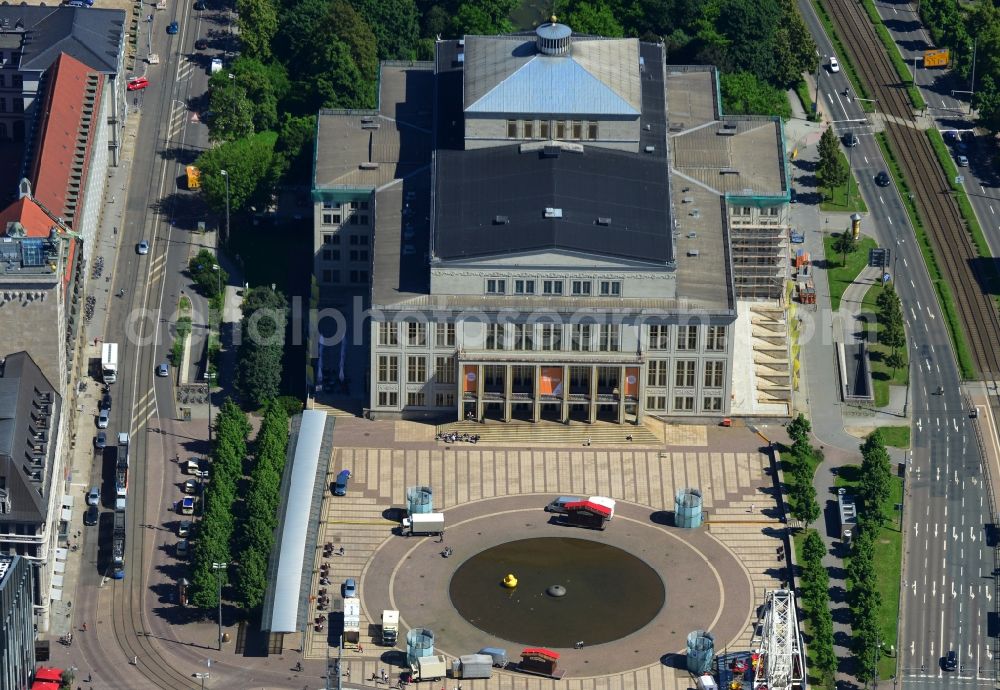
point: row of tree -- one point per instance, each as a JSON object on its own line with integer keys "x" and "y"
{"x": 262, "y": 345}
{"x": 892, "y": 333}
{"x": 802, "y": 461}
{"x": 814, "y": 597}
{"x": 214, "y": 543}
{"x": 873, "y": 493}
{"x": 972, "y": 33}
{"x": 832, "y": 169}
{"x": 263, "y": 499}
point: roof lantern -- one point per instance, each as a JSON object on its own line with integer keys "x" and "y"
{"x": 553, "y": 38}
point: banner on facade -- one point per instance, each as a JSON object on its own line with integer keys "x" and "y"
{"x": 469, "y": 378}
{"x": 551, "y": 382}
{"x": 632, "y": 382}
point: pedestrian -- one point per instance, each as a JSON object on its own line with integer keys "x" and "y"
{"x": 752, "y": 507}
{"x": 84, "y": 626}
{"x": 341, "y": 550}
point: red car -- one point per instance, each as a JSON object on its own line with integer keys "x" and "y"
{"x": 137, "y": 83}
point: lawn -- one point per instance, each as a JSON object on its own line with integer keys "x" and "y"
{"x": 882, "y": 375}
{"x": 840, "y": 276}
{"x": 889, "y": 546}
{"x": 896, "y": 436}
{"x": 836, "y": 199}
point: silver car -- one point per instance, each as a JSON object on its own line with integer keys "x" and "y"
{"x": 102, "y": 419}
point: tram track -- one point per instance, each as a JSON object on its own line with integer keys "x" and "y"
{"x": 958, "y": 259}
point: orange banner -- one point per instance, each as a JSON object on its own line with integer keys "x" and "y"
{"x": 631, "y": 382}
{"x": 469, "y": 378}
{"x": 551, "y": 381}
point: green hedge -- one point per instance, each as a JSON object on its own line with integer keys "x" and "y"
{"x": 844, "y": 57}
{"x": 962, "y": 354}
{"x": 802, "y": 91}
{"x": 902, "y": 71}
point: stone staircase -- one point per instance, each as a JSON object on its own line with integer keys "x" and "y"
{"x": 772, "y": 365}
{"x": 572, "y": 434}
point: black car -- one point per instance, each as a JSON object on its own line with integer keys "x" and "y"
{"x": 201, "y": 44}
{"x": 101, "y": 440}
{"x": 951, "y": 661}
{"x": 91, "y": 516}
{"x": 882, "y": 179}
{"x": 200, "y": 5}
{"x": 850, "y": 140}
{"x": 106, "y": 402}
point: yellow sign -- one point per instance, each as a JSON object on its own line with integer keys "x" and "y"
{"x": 936, "y": 58}
{"x": 193, "y": 177}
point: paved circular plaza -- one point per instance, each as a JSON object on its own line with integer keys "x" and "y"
{"x": 706, "y": 585}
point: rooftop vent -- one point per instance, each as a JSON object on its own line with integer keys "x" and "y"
{"x": 603, "y": 221}
{"x": 693, "y": 252}
{"x": 370, "y": 125}
{"x": 369, "y": 166}
{"x": 553, "y": 212}
{"x": 650, "y": 149}
{"x": 501, "y": 220}
{"x": 729, "y": 171}
{"x": 553, "y": 38}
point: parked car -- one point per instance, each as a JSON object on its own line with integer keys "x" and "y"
{"x": 186, "y": 505}
{"x": 796, "y": 237}
{"x": 163, "y": 369}
{"x": 850, "y": 140}
{"x": 101, "y": 440}
{"x": 882, "y": 179}
{"x": 173, "y": 27}
{"x": 143, "y": 247}
{"x": 182, "y": 548}
{"x": 106, "y": 402}
{"x": 191, "y": 486}
{"x": 834, "y": 65}
{"x": 94, "y": 496}
{"x": 559, "y": 505}
{"x": 963, "y": 162}
{"x": 340, "y": 483}
{"x": 92, "y": 515}
{"x": 350, "y": 588}
{"x": 950, "y": 662}
{"x": 102, "y": 419}
{"x": 200, "y": 5}
{"x": 201, "y": 44}
{"x": 183, "y": 528}
{"x": 137, "y": 83}
{"x": 216, "y": 65}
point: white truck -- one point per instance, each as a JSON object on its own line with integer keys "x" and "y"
{"x": 428, "y": 668}
{"x": 390, "y": 628}
{"x": 109, "y": 362}
{"x": 472, "y": 666}
{"x": 352, "y": 622}
{"x": 423, "y": 524}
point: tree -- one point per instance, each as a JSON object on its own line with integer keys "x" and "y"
{"x": 294, "y": 149}
{"x": 232, "y": 111}
{"x": 248, "y": 163}
{"x": 813, "y": 548}
{"x": 594, "y": 18}
{"x": 743, "y": 93}
{"x": 258, "y": 23}
{"x": 895, "y": 361}
{"x": 799, "y": 428}
{"x": 804, "y": 506}
{"x": 394, "y": 24}
{"x": 845, "y": 244}
{"x": 262, "y": 345}
{"x": 210, "y": 281}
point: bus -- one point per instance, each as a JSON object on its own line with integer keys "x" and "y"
{"x": 193, "y": 177}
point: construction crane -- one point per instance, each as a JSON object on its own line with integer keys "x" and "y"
{"x": 779, "y": 661}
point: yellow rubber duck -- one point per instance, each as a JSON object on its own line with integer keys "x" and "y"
{"x": 510, "y": 581}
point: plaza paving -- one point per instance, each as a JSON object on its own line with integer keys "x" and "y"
{"x": 715, "y": 576}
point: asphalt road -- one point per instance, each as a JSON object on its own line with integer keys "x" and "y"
{"x": 946, "y": 565}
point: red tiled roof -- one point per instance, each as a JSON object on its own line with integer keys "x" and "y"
{"x": 62, "y": 122}
{"x": 25, "y": 211}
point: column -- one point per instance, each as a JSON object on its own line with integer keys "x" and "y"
{"x": 565, "y": 394}
{"x": 508, "y": 391}
{"x": 592, "y": 408}
{"x": 479, "y": 392}
{"x": 621, "y": 394}
{"x": 536, "y": 405}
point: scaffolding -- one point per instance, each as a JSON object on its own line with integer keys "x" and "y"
{"x": 760, "y": 260}
{"x": 780, "y": 662}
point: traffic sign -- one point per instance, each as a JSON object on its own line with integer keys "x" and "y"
{"x": 885, "y": 278}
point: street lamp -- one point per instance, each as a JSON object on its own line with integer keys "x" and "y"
{"x": 202, "y": 676}
{"x": 225, "y": 174}
{"x": 218, "y": 568}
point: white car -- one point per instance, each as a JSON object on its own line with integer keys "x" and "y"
{"x": 216, "y": 65}
{"x": 142, "y": 247}
{"x": 834, "y": 65}
{"x": 102, "y": 419}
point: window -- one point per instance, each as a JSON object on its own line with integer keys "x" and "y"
{"x": 328, "y": 238}
{"x": 715, "y": 339}
{"x": 523, "y": 336}
{"x": 363, "y": 240}
{"x": 334, "y": 239}
{"x": 327, "y": 254}
{"x": 684, "y": 373}
{"x": 16, "y": 81}
{"x": 388, "y": 334}
{"x": 543, "y": 129}
{"x": 687, "y": 337}
{"x": 581, "y": 287}
{"x": 656, "y": 373}
{"x": 524, "y": 287}
{"x": 327, "y": 219}
{"x": 444, "y": 400}
{"x": 551, "y": 336}
{"x": 354, "y": 277}
{"x": 359, "y": 277}
{"x": 496, "y": 286}
{"x": 327, "y": 277}
{"x": 416, "y": 333}
{"x": 610, "y": 337}
{"x": 577, "y": 130}
{"x": 335, "y": 277}
{"x": 560, "y": 130}
{"x": 745, "y": 211}
{"x": 415, "y": 399}
{"x": 494, "y": 336}
{"x": 354, "y": 219}
{"x": 388, "y": 369}
{"x": 444, "y": 369}
{"x": 714, "y": 372}
{"x": 581, "y": 337}
{"x": 416, "y": 369}
{"x": 592, "y": 130}
{"x": 656, "y": 402}
{"x": 353, "y": 240}
{"x": 552, "y": 287}
{"x": 444, "y": 335}
{"x": 659, "y": 337}
{"x": 684, "y": 403}
{"x": 612, "y": 288}
{"x": 364, "y": 205}
{"x": 512, "y": 129}
{"x": 712, "y": 403}
{"x": 529, "y": 130}
{"x": 388, "y": 398}
{"x": 772, "y": 211}
{"x": 359, "y": 255}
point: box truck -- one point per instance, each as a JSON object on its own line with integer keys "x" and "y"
{"x": 428, "y": 668}
{"x": 390, "y": 628}
{"x": 423, "y": 524}
{"x": 352, "y": 622}
{"x": 109, "y": 362}
{"x": 472, "y": 666}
